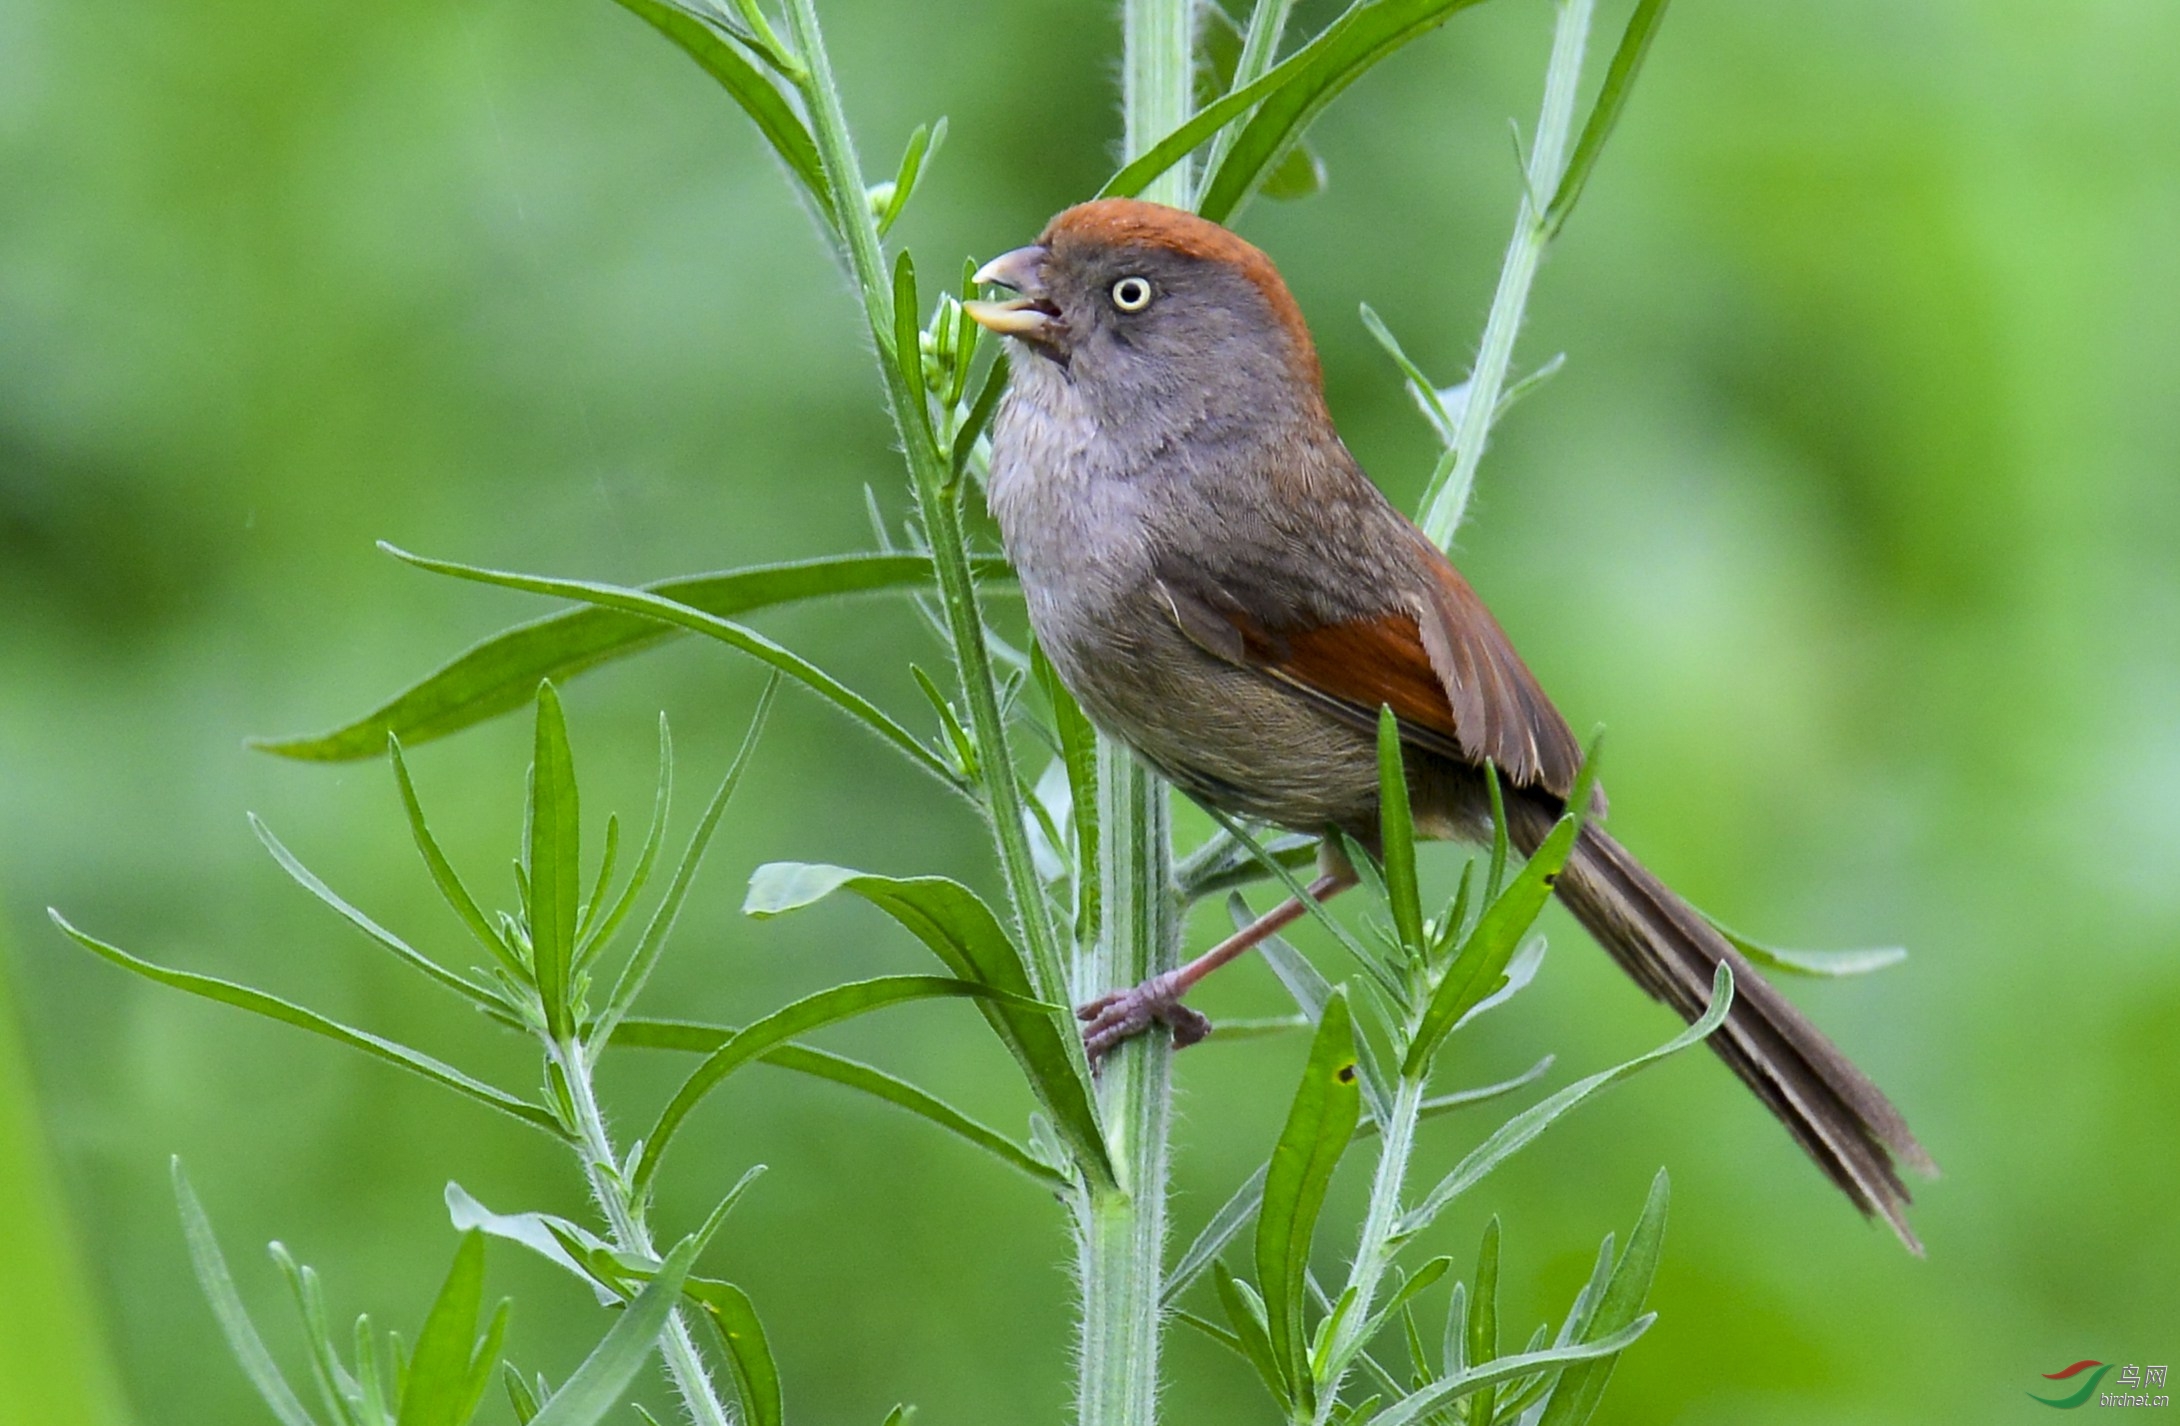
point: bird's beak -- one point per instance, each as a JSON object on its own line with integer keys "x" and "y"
{"x": 1026, "y": 316}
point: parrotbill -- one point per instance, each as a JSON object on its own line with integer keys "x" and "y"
{"x": 1220, "y": 585}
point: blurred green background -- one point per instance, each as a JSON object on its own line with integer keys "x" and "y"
{"x": 1853, "y": 515}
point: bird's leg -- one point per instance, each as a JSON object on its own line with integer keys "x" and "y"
{"x": 1126, "y": 1013}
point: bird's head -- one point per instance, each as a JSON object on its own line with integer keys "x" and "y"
{"x": 1145, "y": 309}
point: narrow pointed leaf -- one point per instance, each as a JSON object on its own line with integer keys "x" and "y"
{"x": 483, "y": 1361}
{"x": 309, "y": 881}
{"x": 980, "y": 414}
{"x": 1245, "y": 1310}
{"x": 442, "y": 871}
{"x": 234, "y": 1320}
{"x": 661, "y": 925}
{"x": 271, "y": 1007}
{"x": 1519, "y": 1131}
{"x": 1825, "y": 965}
{"x": 1232, "y": 1217}
{"x": 726, "y": 631}
{"x": 1627, "y": 63}
{"x": 1396, "y": 832}
{"x": 1079, "y": 755}
{"x": 1320, "y": 1123}
{"x": 555, "y": 864}
{"x": 813, "y": 1012}
{"x": 535, "y": 1231}
{"x": 1450, "y": 1389}
{"x": 964, "y": 934}
{"x": 439, "y": 1374}
{"x": 756, "y": 1376}
{"x": 1575, "y": 1399}
{"x": 823, "y": 1064}
{"x": 759, "y": 98}
{"x": 639, "y": 876}
{"x": 1479, "y": 969}
{"x": 585, "y": 1398}
{"x": 1483, "y": 1317}
{"x": 502, "y": 673}
{"x": 1369, "y": 32}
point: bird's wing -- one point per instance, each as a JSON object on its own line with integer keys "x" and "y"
{"x": 1436, "y": 658}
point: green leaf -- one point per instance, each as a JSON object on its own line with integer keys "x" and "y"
{"x": 813, "y": 1012}
{"x": 272, "y": 1007}
{"x": 1245, "y": 1310}
{"x": 234, "y": 1320}
{"x": 1449, "y": 1389}
{"x": 726, "y": 631}
{"x": 1825, "y": 965}
{"x": 1079, "y": 755}
{"x": 1311, "y": 990}
{"x": 439, "y": 1378}
{"x": 923, "y": 145}
{"x": 597, "y": 902}
{"x": 502, "y": 673}
{"x": 637, "y": 972}
{"x": 443, "y": 874}
{"x": 1216, "y": 1234}
{"x": 980, "y": 414}
{"x": 541, "y": 1233}
{"x": 756, "y": 1376}
{"x": 1225, "y": 864}
{"x": 340, "y": 1391}
{"x": 766, "y": 106}
{"x": 964, "y": 934}
{"x": 1575, "y": 1399}
{"x": 1320, "y": 1123}
{"x": 1479, "y": 970}
{"x": 1420, "y": 387}
{"x": 1519, "y": 1131}
{"x": 1483, "y": 1319}
{"x": 598, "y": 936}
{"x": 519, "y": 1394}
{"x": 555, "y": 864}
{"x": 908, "y": 347}
{"x": 1396, "y": 829}
{"x": 1367, "y": 33}
{"x": 309, "y": 881}
{"x": 1627, "y": 63}
{"x": 586, "y": 1397}
{"x": 822, "y": 1064}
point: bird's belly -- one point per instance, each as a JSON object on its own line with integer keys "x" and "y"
{"x": 1227, "y": 736}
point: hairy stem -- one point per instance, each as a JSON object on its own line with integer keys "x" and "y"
{"x": 1123, "y": 1231}
{"x": 631, "y": 1234}
{"x": 1446, "y": 501}
{"x": 936, "y": 502}
{"x": 1374, "y": 1250}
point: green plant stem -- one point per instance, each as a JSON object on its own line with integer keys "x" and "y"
{"x": 1259, "y": 47}
{"x": 631, "y": 1234}
{"x": 1123, "y": 1231}
{"x": 1374, "y": 1249}
{"x": 937, "y": 503}
{"x": 1446, "y": 502}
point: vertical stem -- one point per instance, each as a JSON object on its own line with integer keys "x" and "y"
{"x": 935, "y": 501}
{"x": 1374, "y": 1250}
{"x": 1447, "y": 499}
{"x": 684, "y": 1364}
{"x": 1123, "y": 1231}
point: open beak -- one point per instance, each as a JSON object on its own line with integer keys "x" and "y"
{"x": 1027, "y": 316}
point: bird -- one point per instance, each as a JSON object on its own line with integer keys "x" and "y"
{"x": 1221, "y": 587}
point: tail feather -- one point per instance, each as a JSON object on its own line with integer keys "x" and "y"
{"x": 1838, "y": 1115}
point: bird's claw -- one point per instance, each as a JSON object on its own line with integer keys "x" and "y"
{"x": 1124, "y": 1014}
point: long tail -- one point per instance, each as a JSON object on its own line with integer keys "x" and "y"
{"x": 1832, "y": 1109}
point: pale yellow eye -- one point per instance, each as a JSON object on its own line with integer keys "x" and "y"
{"x": 1131, "y": 294}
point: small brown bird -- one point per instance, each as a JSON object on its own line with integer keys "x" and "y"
{"x": 1221, "y": 586}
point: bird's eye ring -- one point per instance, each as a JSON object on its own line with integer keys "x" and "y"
{"x": 1132, "y": 294}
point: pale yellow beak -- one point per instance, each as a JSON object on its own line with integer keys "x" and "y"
{"x": 1025, "y": 316}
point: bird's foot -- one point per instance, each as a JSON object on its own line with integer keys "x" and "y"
{"x": 1124, "y": 1014}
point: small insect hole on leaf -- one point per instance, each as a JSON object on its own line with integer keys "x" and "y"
{"x": 1346, "y": 1074}
{"x": 1551, "y": 879}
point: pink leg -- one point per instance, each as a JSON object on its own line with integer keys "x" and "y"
{"x": 1127, "y": 1013}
